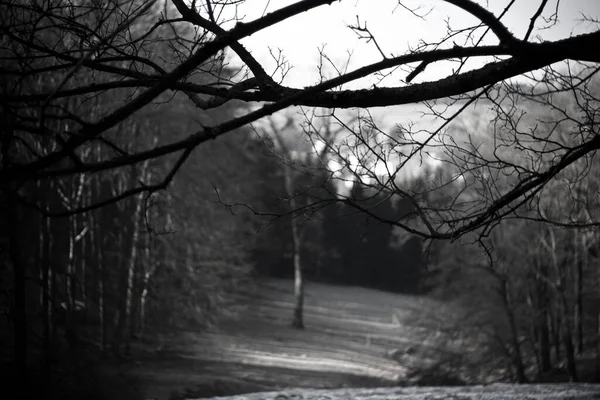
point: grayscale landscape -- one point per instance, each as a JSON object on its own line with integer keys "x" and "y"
{"x": 349, "y": 340}
{"x": 303, "y": 199}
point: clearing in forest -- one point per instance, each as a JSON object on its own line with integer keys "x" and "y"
{"x": 349, "y": 335}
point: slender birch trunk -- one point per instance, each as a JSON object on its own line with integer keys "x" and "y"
{"x": 128, "y": 310}
{"x": 298, "y": 320}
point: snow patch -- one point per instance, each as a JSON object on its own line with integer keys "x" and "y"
{"x": 488, "y": 392}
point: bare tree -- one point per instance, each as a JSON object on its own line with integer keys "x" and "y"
{"x": 60, "y": 60}
{"x": 304, "y": 170}
{"x": 104, "y": 49}
{"x": 288, "y": 177}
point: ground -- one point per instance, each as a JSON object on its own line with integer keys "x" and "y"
{"x": 354, "y": 338}
{"x": 492, "y": 392}
{"x": 350, "y": 337}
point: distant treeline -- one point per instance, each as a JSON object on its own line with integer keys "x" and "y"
{"x": 343, "y": 245}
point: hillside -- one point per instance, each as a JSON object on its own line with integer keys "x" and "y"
{"x": 350, "y": 333}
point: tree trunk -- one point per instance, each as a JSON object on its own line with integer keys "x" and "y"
{"x": 69, "y": 285}
{"x": 101, "y": 297}
{"x": 133, "y": 256}
{"x": 564, "y": 329}
{"x": 143, "y": 299}
{"x": 543, "y": 319}
{"x": 579, "y": 257}
{"x": 19, "y": 311}
{"x": 150, "y": 266}
{"x": 19, "y": 307}
{"x": 46, "y": 287}
{"x": 124, "y": 215}
{"x": 544, "y": 341}
{"x": 298, "y": 316}
{"x": 69, "y": 334}
{"x": 117, "y": 316}
{"x": 570, "y": 352}
{"x": 298, "y": 319}
{"x": 517, "y": 356}
{"x": 96, "y": 281}
{"x": 579, "y": 305}
{"x": 598, "y": 347}
{"x": 554, "y": 299}
{"x": 555, "y": 325}
{"x": 96, "y": 255}
{"x": 54, "y": 303}
{"x": 128, "y": 310}
{"x": 534, "y": 329}
{"x": 82, "y": 274}
{"x": 568, "y": 343}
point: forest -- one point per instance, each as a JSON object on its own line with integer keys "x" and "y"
{"x": 153, "y": 169}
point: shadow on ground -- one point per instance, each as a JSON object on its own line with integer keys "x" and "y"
{"x": 350, "y": 336}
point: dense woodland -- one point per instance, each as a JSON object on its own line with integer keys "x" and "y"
{"x": 109, "y": 238}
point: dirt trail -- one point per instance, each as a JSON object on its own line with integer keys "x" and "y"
{"x": 348, "y": 333}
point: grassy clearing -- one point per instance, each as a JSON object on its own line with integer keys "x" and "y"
{"x": 350, "y": 333}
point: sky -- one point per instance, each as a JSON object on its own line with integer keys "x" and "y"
{"x": 396, "y": 30}
{"x": 394, "y": 27}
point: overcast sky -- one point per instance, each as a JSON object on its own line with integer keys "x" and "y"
{"x": 395, "y": 29}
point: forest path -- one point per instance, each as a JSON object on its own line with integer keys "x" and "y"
{"x": 348, "y": 332}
